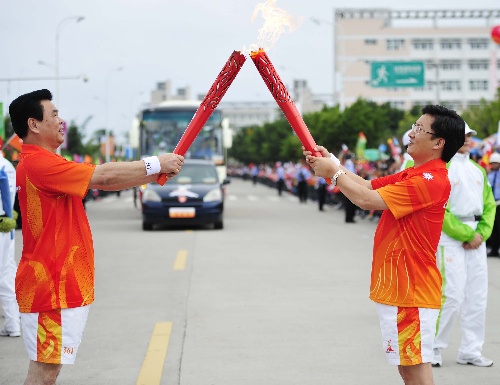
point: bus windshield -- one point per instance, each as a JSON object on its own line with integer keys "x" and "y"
{"x": 161, "y": 130}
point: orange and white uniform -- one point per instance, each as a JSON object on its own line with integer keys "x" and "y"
{"x": 56, "y": 270}
{"x": 404, "y": 272}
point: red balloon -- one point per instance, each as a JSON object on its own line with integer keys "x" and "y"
{"x": 495, "y": 34}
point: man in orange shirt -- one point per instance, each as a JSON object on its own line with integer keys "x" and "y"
{"x": 55, "y": 277}
{"x": 405, "y": 281}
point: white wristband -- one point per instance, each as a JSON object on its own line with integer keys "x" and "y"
{"x": 335, "y": 159}
{"x": 152, "y": 164}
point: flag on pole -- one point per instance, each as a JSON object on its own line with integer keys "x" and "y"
{"x": 15, "y": 142}
{"x": 488, "y": 147}
{"x": 360, "y": 146}
{"x": 395, "y": 148}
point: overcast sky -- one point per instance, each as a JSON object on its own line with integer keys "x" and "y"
{"x": 185, "y": 41}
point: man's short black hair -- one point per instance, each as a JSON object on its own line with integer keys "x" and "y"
{"x": 449, "y": 126}
{"x": 25, "y": 107}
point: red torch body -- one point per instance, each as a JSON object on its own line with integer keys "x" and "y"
{"x": 285, "y": 102}
{"x": 208, "y": 105}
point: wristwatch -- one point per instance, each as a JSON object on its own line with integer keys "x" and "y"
{"x": 335, "y": 177}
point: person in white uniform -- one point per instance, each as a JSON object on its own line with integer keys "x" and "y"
{"x": 8, "y": 266}
{"x": 407, "y": 159}
{"x": 462, "y": 260}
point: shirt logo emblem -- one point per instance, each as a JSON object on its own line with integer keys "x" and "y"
{"x": 427, "y": 176}
{"x": 389, "y": 347}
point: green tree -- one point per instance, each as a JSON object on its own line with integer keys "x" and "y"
{"x": 331, "y": 128}
{"x": 75, "y": 143}
{"x": 9, "y": 130}
{"x": 484, "y": 118}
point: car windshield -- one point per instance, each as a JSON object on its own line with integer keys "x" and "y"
{"x": 196, "y": 174}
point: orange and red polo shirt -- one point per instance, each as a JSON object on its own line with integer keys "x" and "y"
{"x": 404, "y": 270}
{"x": 56, "y": 269}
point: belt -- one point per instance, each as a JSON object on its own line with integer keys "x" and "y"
{"x": 472, "y": 218}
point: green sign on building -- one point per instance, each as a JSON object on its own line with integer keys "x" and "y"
{"x": 397, "y": 74}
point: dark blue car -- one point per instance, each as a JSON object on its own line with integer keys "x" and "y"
{"x": 194, "y": 197}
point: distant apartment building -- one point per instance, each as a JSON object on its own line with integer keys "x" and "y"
{"x": 246, "y": 113}
{"x": 163, "y": 92}
{"x": 460, "y": 60}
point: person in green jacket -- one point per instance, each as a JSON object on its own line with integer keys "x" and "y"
{"x": 462, "y": 260}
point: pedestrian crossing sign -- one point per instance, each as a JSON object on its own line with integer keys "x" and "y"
{"x": 391, "y": 74}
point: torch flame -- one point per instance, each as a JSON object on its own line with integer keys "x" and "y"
{"x": 276, "y": 20}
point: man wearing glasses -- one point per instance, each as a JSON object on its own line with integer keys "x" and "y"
{"x": 461, "y": 257}
{"x": 405, "y": 280}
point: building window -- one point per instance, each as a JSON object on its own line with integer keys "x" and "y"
{"x": 430, "y": 85}
{"x": 370, "y": 41}
{"x": 478, "y": 43}
{"x": 452, "y": 105}
{"x": 451, "y": 65}
{"x": 423, "y": 44}
{"x": 478, "y": 85}
{"x": 394, "y": 44}
{"x": 397, "y": 104}
{"x": 451, "y": 44}
{"x": 478, "y": 65}
{"x": 427, "y": 87}
{"x": 451, "y": 85}
{"x": 473, "y": 103}
{"x": 431, "y": 65}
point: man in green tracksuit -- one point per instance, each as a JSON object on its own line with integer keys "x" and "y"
{"x": 462, "y": 259}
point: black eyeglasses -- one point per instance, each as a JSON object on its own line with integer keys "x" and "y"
{"x": 418, "y": 129}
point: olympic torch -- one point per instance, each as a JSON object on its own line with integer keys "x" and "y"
{"x": 285, "y": 102}
{"x": 208, "y": 105}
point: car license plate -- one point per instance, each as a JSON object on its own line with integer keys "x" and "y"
{"x": 181, "y": 212}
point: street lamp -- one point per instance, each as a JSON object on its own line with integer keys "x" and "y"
{"x": 107, "y": 131}
{"x": 61, "y": 24}
{"x": 333, "y": 25}
{"x": 339, "y": 62}
{"x": 53, "y": 68}
{"x": 298, "y": 88}
{"x": 32, "y": 78}
{"x": 43, "y": 63}
{"x": 132, "y": 99}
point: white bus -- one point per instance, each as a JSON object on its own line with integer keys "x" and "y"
{"x": 161, "y": 127}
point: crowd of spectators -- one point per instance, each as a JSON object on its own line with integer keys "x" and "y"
{"x": 267, "y": 174}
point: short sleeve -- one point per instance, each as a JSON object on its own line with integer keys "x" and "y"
{"x": 56, "y": 175}
{"x": 412, "y": 194}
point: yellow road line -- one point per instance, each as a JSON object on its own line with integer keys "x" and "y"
{"x": 152, "y": 367}
{"x": 180, "y": 260}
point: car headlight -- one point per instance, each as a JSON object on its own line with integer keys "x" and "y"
{"x": 149, "y": 195}
{"x": 213, "y": 195}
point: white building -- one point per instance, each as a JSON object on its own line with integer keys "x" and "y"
{"x": 460, "y": 59}
{"x": 163, "y": 92}
{"x": 246, "y": 113}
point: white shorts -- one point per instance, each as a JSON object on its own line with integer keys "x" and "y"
{"x": 53, "y": 337}
{"x": 407, "y": 333}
